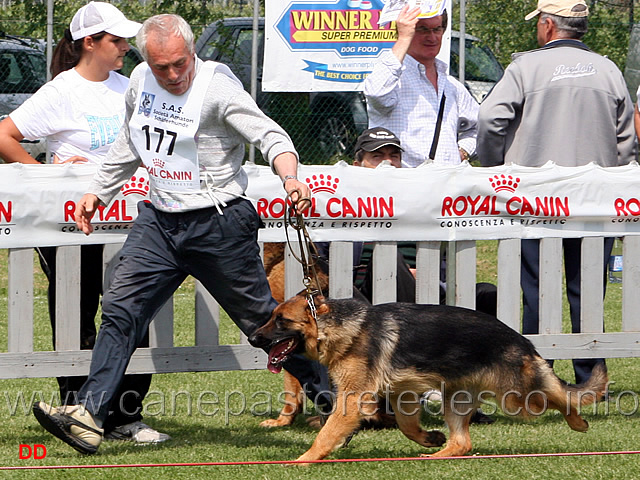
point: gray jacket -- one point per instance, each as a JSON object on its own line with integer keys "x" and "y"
{"x": 561, "y": 103}
{"x": 229, "y": 119}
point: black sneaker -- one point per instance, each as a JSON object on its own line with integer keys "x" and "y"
{"x": 137, "y": 432}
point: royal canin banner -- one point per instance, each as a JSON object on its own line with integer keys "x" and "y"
{"x": 349, "y": 203}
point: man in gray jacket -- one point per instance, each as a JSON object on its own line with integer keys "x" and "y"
{"x": 187, "y": 121}
{"x": 561, "y": 103}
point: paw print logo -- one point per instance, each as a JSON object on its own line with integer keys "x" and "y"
{"x": 136, "y": 185}
{"x": 323, "y": 183}
{"x": 504, "y": 182}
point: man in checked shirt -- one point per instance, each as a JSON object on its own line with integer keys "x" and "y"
{"x": 405, "y": 89}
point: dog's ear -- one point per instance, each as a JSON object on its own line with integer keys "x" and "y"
{"x": 321, "y": 304}
{"x": 323, "y": 309}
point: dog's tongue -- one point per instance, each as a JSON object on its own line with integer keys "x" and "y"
{"x": 273, "y": 364}
{"x": 274, "y": 368}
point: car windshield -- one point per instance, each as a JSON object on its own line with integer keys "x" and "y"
{"x": 21, "y": 71}
{"x": 480, "y": 64}
{"x": 233, "y": 47}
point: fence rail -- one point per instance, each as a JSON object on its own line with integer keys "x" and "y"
{"x": 207, "y": 354}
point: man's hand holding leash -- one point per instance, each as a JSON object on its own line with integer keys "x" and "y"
{"x": 286, "y": 164}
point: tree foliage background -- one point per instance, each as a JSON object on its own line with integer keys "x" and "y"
{"x": 499, "y": 23}
{"x": 29, "y": 17}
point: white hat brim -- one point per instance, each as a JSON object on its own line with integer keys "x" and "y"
{"x": 124, "y": 29}
{"x": 535, "y": 13}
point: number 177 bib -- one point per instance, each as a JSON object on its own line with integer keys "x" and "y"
{"x": 163, "y": 128}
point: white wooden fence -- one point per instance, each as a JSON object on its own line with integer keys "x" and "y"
{"x": 19, "y": 360}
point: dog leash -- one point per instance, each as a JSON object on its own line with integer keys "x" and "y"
{"x": 308, "y": 251}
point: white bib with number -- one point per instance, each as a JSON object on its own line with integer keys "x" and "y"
{"x": 163, "y": 127}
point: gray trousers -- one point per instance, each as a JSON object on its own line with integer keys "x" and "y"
{"x": 162, "y": 249}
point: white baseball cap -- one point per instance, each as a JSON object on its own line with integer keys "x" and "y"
{"x": 96, "y": 17}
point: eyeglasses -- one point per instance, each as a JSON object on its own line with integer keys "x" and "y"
{"x": 426, "y": 31}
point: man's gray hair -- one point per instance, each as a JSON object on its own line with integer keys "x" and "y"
{"x": 570, "y": 27}
{"x": 167, "y": 24}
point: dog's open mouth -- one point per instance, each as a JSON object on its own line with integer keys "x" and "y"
{"x": 280, "y": 352}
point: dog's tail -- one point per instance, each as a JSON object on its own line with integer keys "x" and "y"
{"x": 591, "y": 391}
{"x": 569, "y": 399}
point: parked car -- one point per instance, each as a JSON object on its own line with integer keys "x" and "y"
{"x": 333, "y": 120}
{"x": 482, "y": 69}
{"x": 22, "y": 72}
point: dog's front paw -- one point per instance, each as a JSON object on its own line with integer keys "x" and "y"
{"x": 276, "y": 422}
{"x": 315, "y": 422}
{"x": 302, "y": 460}
{"x": 434, "y": 438}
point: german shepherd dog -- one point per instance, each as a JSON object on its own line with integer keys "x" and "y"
{"x": 403, "y": 350}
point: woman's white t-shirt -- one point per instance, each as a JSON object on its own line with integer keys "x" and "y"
{"x": 77, "y": 116}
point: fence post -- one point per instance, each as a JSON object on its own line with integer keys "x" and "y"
{"x": 341, "y": 270}
{"x": 630, "y": 282}
{"x": 592, "y": 285}
{"x": 20, "y": 314}
{"x": 550, "y": 292}
{"x": 428, "y": 272}
{"x": 67, "y": 295}
{"x": 293, "y": 275}
{"x": 465, "y": 277}
{"x": 384, "y": 258}
{"x": 509, "y": 257}
{"x": 207, "y": 317}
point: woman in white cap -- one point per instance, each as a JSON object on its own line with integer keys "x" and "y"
{"x": 80, "y": 113}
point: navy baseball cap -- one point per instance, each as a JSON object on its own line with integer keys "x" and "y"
{"x": 374, "y": 138}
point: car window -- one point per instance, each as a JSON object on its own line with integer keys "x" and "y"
{"x": 21, "y": 72}
{"x": 236, "y": 53}
{"x": 38, "y": 66}
{"x": 241, "y": 53}
{"x": 480, "y": 64}
{"x": 220, "y": 45}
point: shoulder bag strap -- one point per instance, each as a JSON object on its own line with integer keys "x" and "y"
{"x": 436, "y": 134}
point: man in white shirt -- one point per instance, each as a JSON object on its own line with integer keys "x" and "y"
{"x": 405, "y": 92}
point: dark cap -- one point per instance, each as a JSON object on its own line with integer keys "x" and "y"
{"x": 374, "y": 138}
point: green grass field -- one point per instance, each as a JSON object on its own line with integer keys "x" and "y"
{"x": 214, "y": 417}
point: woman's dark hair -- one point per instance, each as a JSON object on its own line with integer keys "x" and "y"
{"x": 67, "y": 53}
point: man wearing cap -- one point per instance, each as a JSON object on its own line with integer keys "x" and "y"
{"x": 373, "y": 147}
{"x": 409, "y": 88}
{"x": 376, "y": 145}
{"x": 561, "y": 103}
